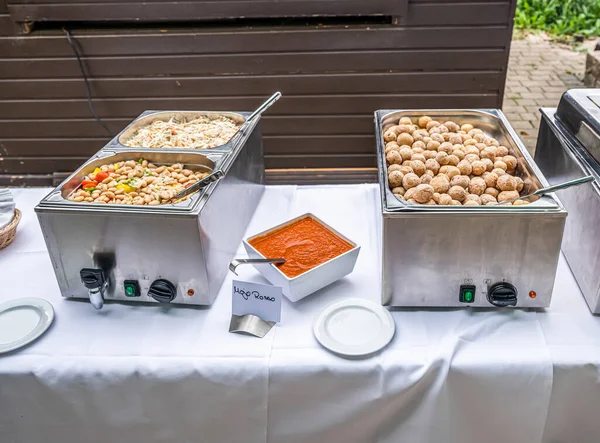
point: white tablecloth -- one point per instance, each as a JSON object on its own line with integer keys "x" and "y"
{"x": 149, "y": 374}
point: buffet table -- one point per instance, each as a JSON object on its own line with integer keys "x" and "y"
{"x": 153, "y": 374}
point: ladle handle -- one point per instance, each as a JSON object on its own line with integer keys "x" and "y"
{"x": 576, "y": 182}
{"x": 266, "y": 105}
{"x": 244, "y": 261}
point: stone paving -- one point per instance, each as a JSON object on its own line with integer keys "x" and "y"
{"x": 539, "y": 71}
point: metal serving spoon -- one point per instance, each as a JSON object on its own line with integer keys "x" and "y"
{"x": 243, "y": 261}
{"x": 544, "y": 191}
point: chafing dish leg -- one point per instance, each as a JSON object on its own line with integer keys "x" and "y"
{"x": 96, "y": 284}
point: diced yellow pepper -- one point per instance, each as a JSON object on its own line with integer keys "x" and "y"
{"x": 125, "y": 187}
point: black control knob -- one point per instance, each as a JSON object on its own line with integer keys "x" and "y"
{"x": 92, "y": 278}
{"x": 163, "y": 291}
{"x": 502, "y": 294}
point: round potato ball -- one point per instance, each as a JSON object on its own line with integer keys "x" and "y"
{"x": 452, "y": 127}
{"x": 410, "y": 193}
{"x": 457, "y": 193}
{"x": 455, "y": 139}
{"x": 477, "y": 186}
{"x": 423, "y": 121}
{"x": 502, "y": 151}
{"x": 478, "y": 167}
{"x": 466, "y": 127}
{"x": 433, "y": 145}
{"x": 520, "y": 184}
{"x": 432, "y": 165}
{"x": 426, "y": 179}
{"x": 390, "y": 135}
{"x": 407, "y": 163}
{"x": 452, "y": 171}
{"x": 405, "y": 152}
{"x": 498, "y": 171}
{"x": 499, "y": 164}
{"x": 445, "y": 200}
{"x": 424, "y": 193}
{"x": 487, "y": 198}
{"x": 470, "y": 142}
{"x": 405, "y": 169}
{"x": 493, "y": 142}
{"x": 481, "y": 147}
{"x": 446, "y": 147}
{"x": 510, "y": 161}
{"x": 479, "y": 137}
{"x": 489, "y": 165}
{"x": 410, "y": 181}
{"x": 417, "y": 156}
{"x": 442, "y": 158}
{"x": 427, "y": 139}
{"x": 432, "y": 124}
{"x": 506, "y": 183}
{"x": 460, "y": 180}
{"x": 392, "y": 168}
{"x": 436, "y": 197}
{"x": 429, "y": 154}
{"x": 490, "y": 179}
{"x": 437, "y": 138}
{"x": 419, "y": 144}
{"x": 459, "y": 153}
{"x": 507, "y": 195}
{"x": 520, "y": 202}
{"x": 492, "y": 191}
{"x": 405, "y": 139}
{"x": 395, "y": 178}
{"x": 431, "y": 202}
{"x": 464, "y": 167}
{"x": 443, "y": 129}
{"x": 446, "y": 136}
{"x": 419, "y": 134}
{"x": 453, "y": 160}
{"x": 456, "y": 203}
{"x": 418, "y": 167}
{"x": 464, "y": 137}
{"x": 440, "y": 183}
{"x": 472, "y": 150}
{"x": 393, "y": 157}
{"x": 473, "y": 197}
{"x": 404, "y": 129}
{"x": 405, "y": 121}
{"x": 391, "y": 146}
{"x": 470, "y": 203}
{"x": 399, "y": 191}
{"x": 418, "y": 151}
{"x": 488, "y": 154}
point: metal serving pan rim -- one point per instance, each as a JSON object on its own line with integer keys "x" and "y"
{"x": 549, "y": 203}
{"x": 116, "y": 142}
{"x": 218, "y": 159}
{"x": 266, "y": 232}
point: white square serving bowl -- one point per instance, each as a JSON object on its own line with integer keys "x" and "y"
{"x": 296, "y": 288}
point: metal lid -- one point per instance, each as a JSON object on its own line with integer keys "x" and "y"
{"x": 579, "y": 113}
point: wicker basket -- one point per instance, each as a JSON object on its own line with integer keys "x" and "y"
{"x": 7, "y": 233}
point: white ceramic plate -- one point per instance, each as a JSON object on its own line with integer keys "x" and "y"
{"x": 354, "y": 327}
{"x": 22, "y": 321}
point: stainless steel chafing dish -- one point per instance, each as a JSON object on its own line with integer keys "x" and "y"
{"x": 170, "y": 253}
{"x": 495, "y": 255}
{"x": 568, "y": 147}
{"x": 147, "y": 117}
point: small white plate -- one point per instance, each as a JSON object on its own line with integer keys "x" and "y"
{"x": 22, "y": 321}
{"x": 354, "y": 327}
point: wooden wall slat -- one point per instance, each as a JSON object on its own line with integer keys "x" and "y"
{"x": 455, "y": 14}
{"x": 303, "y": 105}
{"x": 449, "y": 82}
{"x": 257, "y": 64}
{"x": 66, "y": 10}
{"x": 48, "y": 44}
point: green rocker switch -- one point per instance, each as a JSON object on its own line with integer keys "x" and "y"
{"x": 467, "y": 294}
{"x": 132, "y": 288}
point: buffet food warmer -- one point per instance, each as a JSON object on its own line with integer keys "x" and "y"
{"x": 475, "y": 253}
{"x": 568, "y": 146}
{"x": 118, "y": 241}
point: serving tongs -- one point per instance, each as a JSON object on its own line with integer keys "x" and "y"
{"x": 245, "y": 261}
{"x": 213, "y": 177}
{"x": 547, "y": 190}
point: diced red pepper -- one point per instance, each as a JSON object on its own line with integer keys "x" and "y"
{"x": 86, "y": 184}
{"x": 187, "y": 185}
{"x": 100, "y": 176}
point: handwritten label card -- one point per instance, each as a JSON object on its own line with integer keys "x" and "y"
{"x": 264, "y": 301}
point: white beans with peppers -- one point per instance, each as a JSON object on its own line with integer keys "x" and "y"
{"x": 135, "y": 183}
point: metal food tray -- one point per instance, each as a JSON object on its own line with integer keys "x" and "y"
{"x": 147, "y": 117}
{"x": 493, "y": 123}
{"x": 193, "y": 160}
